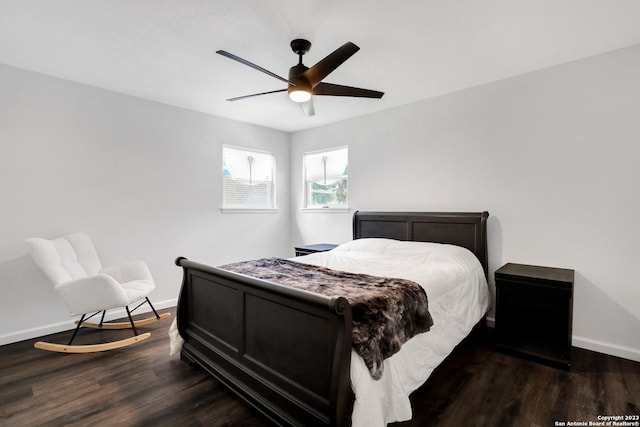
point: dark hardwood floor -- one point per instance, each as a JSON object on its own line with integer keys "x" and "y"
{"x": 142, "y": 385}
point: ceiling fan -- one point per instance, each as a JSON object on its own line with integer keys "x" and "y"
{"x": 303, "y": 82}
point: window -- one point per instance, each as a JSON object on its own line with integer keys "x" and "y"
{"x": 325, "y": 178}
{"x": 248, "y": 179}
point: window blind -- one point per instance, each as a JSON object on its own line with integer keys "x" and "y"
{"x": 326, "y": 166}
{"x": 248, "y": 167}
{"x": 248, "y": 179}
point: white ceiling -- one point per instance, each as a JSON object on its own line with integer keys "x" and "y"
{"x": 412, "y": 49}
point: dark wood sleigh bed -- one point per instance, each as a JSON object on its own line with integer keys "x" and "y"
{"x": 287, "y": 351}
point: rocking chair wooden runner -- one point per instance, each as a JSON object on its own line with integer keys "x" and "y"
{"x": 72, "y": 264}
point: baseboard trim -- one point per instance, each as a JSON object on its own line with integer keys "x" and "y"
{"x": 607, "y": 348}
{"x": 594, "y": 345}
{"x": 53, "y": 328}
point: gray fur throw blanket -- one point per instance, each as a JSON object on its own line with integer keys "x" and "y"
{"x": 386, "y": 312}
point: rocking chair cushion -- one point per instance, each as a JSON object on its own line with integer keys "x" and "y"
{"x": 134, "y": 277}
{"x": 130, "y": 271}
{"x": 66, "y": 258}
{"x": 93, "y": 293}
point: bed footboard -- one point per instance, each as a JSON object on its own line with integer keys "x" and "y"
{"x": 285, "y": 351}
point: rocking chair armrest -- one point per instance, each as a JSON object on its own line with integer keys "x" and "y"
{"x": 91, "y": 294}
{"x": 129, "y": 271}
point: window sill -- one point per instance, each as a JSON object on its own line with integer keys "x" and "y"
{"x": 248, "y": 210}
{"x": 325, "y": 210}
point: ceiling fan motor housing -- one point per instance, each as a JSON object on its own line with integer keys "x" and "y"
{"x": 295, "y": 74}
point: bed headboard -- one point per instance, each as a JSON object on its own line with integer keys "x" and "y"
{"x": 466, "y": 229}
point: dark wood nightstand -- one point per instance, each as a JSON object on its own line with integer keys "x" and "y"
{"x": 311, "y": 249}
{"x": 534, "y": 312}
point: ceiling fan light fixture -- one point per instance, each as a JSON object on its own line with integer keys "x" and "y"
{"x": 299, "y": 95}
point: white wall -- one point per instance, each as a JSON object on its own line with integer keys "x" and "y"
{"x": 142, "y": 178}
{"x": 552, "y": 155}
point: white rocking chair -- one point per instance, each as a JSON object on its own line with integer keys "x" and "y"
{"x": 72, "y": 264}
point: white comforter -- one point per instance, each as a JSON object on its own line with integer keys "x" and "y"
{"x": 458, "y": 297}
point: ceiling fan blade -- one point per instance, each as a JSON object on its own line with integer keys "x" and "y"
{"x": 308, "y": 108}
{"x": 252, "y": 65}
{"x": 339, "y": 90}
{"x": 256, "y": 94}
{"x": 329, "y": 63}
